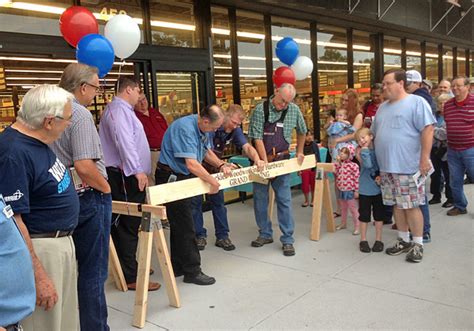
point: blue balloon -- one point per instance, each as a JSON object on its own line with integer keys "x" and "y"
{"x": 287, "y": 50}
{"x": 96, "y": 51}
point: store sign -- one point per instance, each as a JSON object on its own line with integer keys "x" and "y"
{"x": 108, "y": 13}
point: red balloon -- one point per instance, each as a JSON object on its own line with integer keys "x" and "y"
{"x": 283, "y": 75}
{"x": 77, "y": 22}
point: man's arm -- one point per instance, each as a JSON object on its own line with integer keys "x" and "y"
{"x": 87, "y": 170}
{"x": 260, "y": 147}
{"x": 197, "y": 169}
{"x": 426, "y": 144}
{"x": 300, "y": 138}
{"x": 46, "y": 295}
{"x": 253, "y": 155}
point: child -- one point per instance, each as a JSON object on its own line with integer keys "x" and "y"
{"x": 339, "y": 128}
{"x": 347, "y": 183}
{"x": 370, "y": 195}
{"x": 308, "y": 175}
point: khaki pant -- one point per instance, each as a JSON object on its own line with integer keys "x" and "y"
{"x": 155, "y": 156}
{"x": 58, "y": 257}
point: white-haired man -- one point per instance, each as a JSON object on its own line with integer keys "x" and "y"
{"x": 271, "y": 126}
{"x": 45, "y": 205}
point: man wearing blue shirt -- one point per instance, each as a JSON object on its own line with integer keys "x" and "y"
{"x": 186, "y": 143}
{"x": 403, "y": 130}
{"x": 45, "y": 205}
{"x": 229, "y": 133}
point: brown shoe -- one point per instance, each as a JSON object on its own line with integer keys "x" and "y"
{"x": 151, "y": 286}
{"x": 456, "y": 211}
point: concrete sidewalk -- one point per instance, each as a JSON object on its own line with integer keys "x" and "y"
{"x": 328, "y": 284}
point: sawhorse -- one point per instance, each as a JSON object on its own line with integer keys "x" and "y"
{"x": 151, "y": 232}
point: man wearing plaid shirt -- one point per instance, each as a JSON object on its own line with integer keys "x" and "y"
{"x": 271, "y": 126}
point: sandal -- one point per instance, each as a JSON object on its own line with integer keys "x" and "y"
{"x": 341, "y": 226}
{"x": 336, "y": 214}
{"x": 304, "y": 205}
{"x": 311, "y": 205}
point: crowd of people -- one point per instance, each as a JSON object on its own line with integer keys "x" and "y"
{"x": 60, "y": 176}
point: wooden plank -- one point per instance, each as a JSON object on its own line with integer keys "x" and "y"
{"x": 164, "y": 259}
{"x": 143, "y": 277}
{"x": 161, "y": 194}
{"x": 116, "y": 268}
{"x": 327, "y": 203}
{"x": 317, "y": 205}
{"x": 136, "y": 209}
{"x": 271, "y": 202}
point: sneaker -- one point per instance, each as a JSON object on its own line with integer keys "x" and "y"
{"x": 364, "y": 246}
{"x": 434, "y": 201}
{"x": 456, "y": 211}
{"x": 226, "y": 244}
{"x": 260, "y": 241}
{"x": 426, "y": 238}
{"x": 199, "y": 279}
{"x": 341, "y": 227}
{"x": 399, "y": 247}
{"x": 447, "y": 204}
{"x": 288, "y": 250}
{"x": 201, "y": 243}
{"x": 378, "y": 246}
{"x": 415, "y": 254}
{"x": 356, "y": 232}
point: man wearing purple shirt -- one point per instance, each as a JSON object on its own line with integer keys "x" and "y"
{"x": 127, "y": 158}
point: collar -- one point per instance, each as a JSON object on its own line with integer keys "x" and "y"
{"x": 121, "y": 101}
{"x": 463, "y": 102}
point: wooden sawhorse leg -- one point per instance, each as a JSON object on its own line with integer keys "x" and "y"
{"x": 322, "y": 199}
{"x": 152, "y": 231}
{"x": 116, "y": 268}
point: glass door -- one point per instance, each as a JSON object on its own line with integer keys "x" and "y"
{"x": 179, "y": 93}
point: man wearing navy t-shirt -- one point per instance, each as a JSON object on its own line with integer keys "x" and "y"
{"x": 45, "y": 205}
{"x": 229, "y": 133}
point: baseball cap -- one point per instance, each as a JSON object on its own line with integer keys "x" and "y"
{"x": 414, "y": 76}
{"x": 428, "y": 83}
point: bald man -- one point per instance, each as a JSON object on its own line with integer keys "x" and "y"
{"x": 444, "y": 86}
{"x": 271, "y": 126}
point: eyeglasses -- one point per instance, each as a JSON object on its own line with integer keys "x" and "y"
{"x": 388, "y": 83}
{"x": 64, "y": 119}
{"x": 98, "y": 89}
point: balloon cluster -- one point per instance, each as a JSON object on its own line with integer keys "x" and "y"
{"x": 80, "y": 29}
{"x": 297, "y": 67}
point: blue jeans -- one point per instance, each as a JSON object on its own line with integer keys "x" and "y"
{"x": 460, "y": 162}
{"x": 426, "y": 216}
{"x": 91, "y": 239}
{"x": 281, "y": 186}
{"x": 219, "y": 214}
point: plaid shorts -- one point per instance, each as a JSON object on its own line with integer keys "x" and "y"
{"x": 401, "y": 190}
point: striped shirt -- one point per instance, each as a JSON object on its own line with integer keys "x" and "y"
{"x": 80, "y": 141}
{"x": 459, "y": 117}
{"x": 294, "y": 119}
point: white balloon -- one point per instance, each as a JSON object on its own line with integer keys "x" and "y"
{"x": 124, "y": 34}
{"x": 302, "y": 67}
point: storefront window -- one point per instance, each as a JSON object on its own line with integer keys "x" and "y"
{"x": 37, "y": 17}
{"x": 252, "y": 74}
{"x": 392, "y": 51}
{"x": 432, "y": 62}
{"x": 222, "y": 56}
{"x": 299, "y": 31}
{"x": 173, "y": 23}
{"x": 461, "y": 60}
{"x": 332, "y": 65}
{"x": 413, "y": 55}
{"x": 447, "y": 63}
{"x": 363, "y": 63}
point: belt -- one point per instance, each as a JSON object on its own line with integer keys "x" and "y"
{"x": 114, "y": 169}
{"x": 272, "y": 157}
{"x": 155, "y": 149}
{"x": 14, "y": 327}
{"x": 164, "y": 167}
{"x": 57, "y": 234}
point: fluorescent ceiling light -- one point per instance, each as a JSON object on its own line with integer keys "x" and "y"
{"x": 39, "y": 59}
{"x": 31, "y": 78}
{"x": 392, "y": 51}
{"x": 413, "y": 53}
{"x": 33, "y": 7}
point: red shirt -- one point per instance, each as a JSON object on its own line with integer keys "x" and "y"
{"x": 370, "y": 112}
{"x": 155, "y": 126}
{"x": 459, "y": 117}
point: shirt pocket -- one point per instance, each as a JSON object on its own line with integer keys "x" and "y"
{"x": 397, "y": 122}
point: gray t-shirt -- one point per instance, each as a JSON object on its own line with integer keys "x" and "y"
{"x": 397, "y": 129}
{"x": 80, "y": 141}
